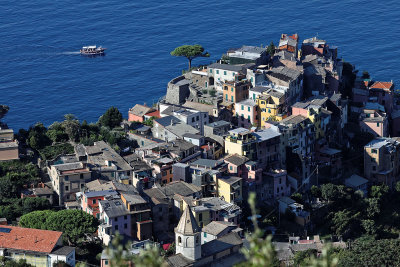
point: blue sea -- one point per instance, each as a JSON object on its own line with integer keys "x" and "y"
{"x": 42, "y": 77}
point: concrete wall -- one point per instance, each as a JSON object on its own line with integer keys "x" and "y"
{"x": 180, "y": 172}
{"x": 9, "y": 153}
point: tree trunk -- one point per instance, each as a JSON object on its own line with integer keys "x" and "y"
{"x": 190, "y": 63}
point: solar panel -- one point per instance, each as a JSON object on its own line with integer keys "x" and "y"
{"x": 4, "y": 230}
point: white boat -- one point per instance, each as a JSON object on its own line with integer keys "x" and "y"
{"x": 92, "y": 50}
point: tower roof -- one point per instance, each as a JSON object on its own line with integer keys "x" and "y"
{"x": 187, "y": 224}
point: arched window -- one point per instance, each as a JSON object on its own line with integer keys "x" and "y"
{"x": 179, "y": 240}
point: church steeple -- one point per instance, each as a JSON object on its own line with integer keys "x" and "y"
{"x": 187, "y": 224}
{"x": 187, "y": 236}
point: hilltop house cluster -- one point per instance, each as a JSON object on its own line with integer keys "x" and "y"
{"x": 272, "y": 124}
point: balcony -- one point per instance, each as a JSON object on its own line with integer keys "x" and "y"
{"x": 236, "y": 187}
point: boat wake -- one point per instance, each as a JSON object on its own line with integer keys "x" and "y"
{"x": 70, "y": 53}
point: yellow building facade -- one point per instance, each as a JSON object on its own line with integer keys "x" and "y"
{"x": 240, "y": 141}
{"x": 230, "y": 189}
{"x": 270, "y": 106}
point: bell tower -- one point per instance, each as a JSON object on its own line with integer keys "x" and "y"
{"x": 188, "y": 235}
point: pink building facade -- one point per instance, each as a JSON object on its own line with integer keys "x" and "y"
{"x": 246, "y": 112}
{"x": 299, "y": 111}
{"x": 278, "y": 183}
{"x": 374, "y": 122}
{"x": 376, "y": 127}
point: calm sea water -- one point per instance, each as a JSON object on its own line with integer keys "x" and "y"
{"x": 42, "y": 78}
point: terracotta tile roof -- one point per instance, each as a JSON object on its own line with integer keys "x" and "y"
{"x": 154, "y": 114}
{"x": 382, "y": 85}
{"x": 28, "y": 239}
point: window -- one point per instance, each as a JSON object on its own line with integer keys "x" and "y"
{"x": 224, "y": 72}
{"x": 197, "y": 118}
{"x": 125, "y": 217}
{"x": 81, "y": 176}
{"x": 205, "y": 234}
{"x": 231, "y": 89}
{"x": 116, "y": 219}
{"x": 377, "y": 124}
{"x": 374, "y": 151}
{"x": 248, "y": 117}
{"x": 160, "y": 209}
{"x": 66, "y": 178}
{"x": 193, "y": 119}
{"x": 251, "y": 79}
{"x": 230, "y": 167}
{"x": 226, "y": 97}
{"x": 217, "y": 71}
{"x": 242, "y": 107}
{"x": 179, "y": 240}
{"x": 200, "y": 217}
{"x": 66, "y": 188}
{"x": 125, "y": 226}
{"x": 116, "y": 228}
{"x": 94, "y": 201}
{"x": 210, "y": 70}
{"x": 233, "y": 74}
{"x": 374, "y": 168}
{"x": 232, "y": 99}
{"x": 248, "y": 108}
{"x": 106, "y": 262}
{"x": 206, "y": 84}
{"x": 205, "y": 115}
{"x": 269, "y": 110}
